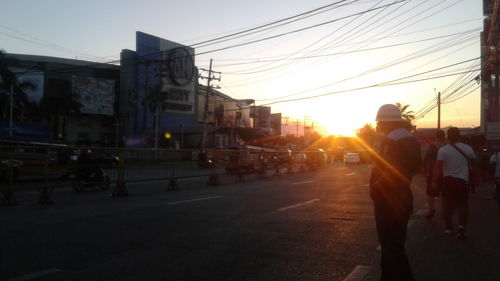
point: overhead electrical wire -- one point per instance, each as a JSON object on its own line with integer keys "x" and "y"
{"x": 323, "y": 48}
{"x": 242, "y": 44}
{"x": 254, "y": 80}
{"x": 298, "y": 30}
{"x": 261, "y": 29}
{"x": 262, "y": 68}
{"x": 348, "y": 44}
{"x": 246, "y": 31}
{"x": 37, "y": 41}
{"x": 453, "y": 88}
{"x": 383, "y": 84}
{"x": 348, "y": 52}
{"x": 390, "y": 64}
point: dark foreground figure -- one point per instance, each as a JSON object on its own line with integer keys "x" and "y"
{"x": 397, "y": 161}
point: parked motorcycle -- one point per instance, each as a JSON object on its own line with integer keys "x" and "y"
{"x": 84, "y": 178}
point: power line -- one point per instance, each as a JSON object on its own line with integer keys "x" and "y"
{"x": 348, "y": 52}
{"x": 264, "y": 29}
{"x": 385, "y": 84}
{"x": 40, "y": 42}
{"x": 268, "y": 24}
{"x": 244, "y": 82}
{"x": 300, "y": 29}
{"x": 242, "y": 44}
{"x": 256, "y": 69}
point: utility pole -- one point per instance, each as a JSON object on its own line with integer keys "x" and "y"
{"x": 207, "y": 94}
{"x": 297, "y": 124}
{"x": 118, "y": 124}
{"x": 283, "y": 126}
{"x": 439, "y": 110}
{"x": 11, "y": 124}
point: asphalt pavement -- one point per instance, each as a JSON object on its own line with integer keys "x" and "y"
{"x": 316, "y": 225}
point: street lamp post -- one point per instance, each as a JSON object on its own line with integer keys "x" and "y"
{"x": 156, "y": 128}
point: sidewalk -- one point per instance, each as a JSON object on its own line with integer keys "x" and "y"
{"x": 436, "y": 256}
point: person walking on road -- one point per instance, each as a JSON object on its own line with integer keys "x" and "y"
{"x": 429, "y": 166}
{"x": 454, "y": 162}
{"x": 495, "y": 162}
{"x": 398, "y": 160}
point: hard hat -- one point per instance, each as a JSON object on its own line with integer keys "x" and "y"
{"x": 388, "y": 113}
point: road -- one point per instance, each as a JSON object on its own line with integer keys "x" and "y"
{"x": 307, "y": 226}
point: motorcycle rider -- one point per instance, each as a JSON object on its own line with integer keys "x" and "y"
{"x": 86, "y": 168}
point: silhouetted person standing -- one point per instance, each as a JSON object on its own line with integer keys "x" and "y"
{"x": 430, "y": 159}
{"x": 398, "y": 160}
{"x": 495, "y": 162}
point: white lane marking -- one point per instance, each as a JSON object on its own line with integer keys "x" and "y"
{"x": 192, "y": 200}
{"x": 163, "y": 181}
{"x": 302, "y": 182}
{"x": 297, "y": 205}
{"x": 358, "y": 273}
{"x": 36, "y": 275}
{"x": 350, "y": 174}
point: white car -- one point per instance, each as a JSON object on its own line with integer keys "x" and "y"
{"x": 352, "y": 158}
{"x": 300, "y": 158}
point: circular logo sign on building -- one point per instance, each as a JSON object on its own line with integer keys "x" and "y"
{"x": 180, "y": 66}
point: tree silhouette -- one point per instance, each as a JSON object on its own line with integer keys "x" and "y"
{"x": 9, "y": 81}
{"x": 368, "y": 134}
{"x": 407, "y": 115}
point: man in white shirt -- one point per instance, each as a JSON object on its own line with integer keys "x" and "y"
{"x": 453, "y": 163}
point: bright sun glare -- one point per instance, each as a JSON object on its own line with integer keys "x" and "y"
{"x": 344, "y": 115}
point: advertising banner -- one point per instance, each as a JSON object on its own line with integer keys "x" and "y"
{"x": 177, "y": 81}
{"x": 36, "y": 79}
{"x": 262, "y": 117}
{"x": 94, "y": 94}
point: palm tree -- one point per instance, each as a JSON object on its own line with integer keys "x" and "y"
{"x": 407, "y": 115}
{"x": 368, "y": 134}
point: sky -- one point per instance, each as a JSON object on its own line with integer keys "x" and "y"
{"x": 327, "y": 63}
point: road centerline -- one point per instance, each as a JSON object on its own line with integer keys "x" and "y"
{"x": 297, "y": 205}
{"x": 193, "y": 200}
{"x": 358, "y": 273}
{"x": 302, "y": 182}
{"x": 37, "y": 275}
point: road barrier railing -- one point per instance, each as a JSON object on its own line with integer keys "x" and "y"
{"x": 48, "y": 168}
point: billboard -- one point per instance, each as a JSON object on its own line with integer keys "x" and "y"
{"x": 262, "y": 117}
{"x": 173, "y": 64}
{"x": 276, "y": 124}
{"x": 177, "y": 81}
{"x": 36, "y": 79}
{"x": 95, "y": 95}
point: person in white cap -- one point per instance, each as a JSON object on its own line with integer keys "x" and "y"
{"x": 398, "y": 160}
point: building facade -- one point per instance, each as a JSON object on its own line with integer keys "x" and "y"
{"x": 490, "y": 72}
{"x": 152, "y": 99}
{"x": 68, "y": 100}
